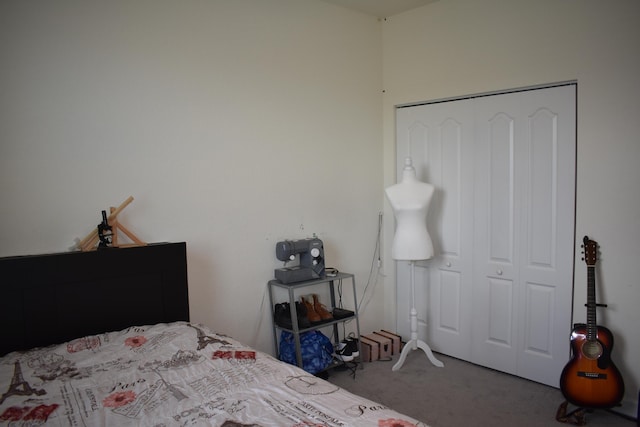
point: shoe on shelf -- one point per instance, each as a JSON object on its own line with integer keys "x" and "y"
{"x": 321, "y": 309}
{"x": 303, "y": 320}
{"x": 311, "y": 312}
{"x": 282, "y": 315}
{"x": 343, "y": 353}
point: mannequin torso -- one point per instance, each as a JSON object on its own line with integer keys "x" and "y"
{"x": 410, "y": 202}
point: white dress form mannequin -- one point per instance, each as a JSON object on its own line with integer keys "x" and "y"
{"x": 410, "y": 202}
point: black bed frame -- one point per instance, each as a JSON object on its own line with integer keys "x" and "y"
{"x": 50, "y": 299}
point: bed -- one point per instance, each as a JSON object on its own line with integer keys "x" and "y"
{"x": 104, "y": 338}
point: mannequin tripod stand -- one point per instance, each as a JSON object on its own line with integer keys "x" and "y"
{"x": 414, "y": 343}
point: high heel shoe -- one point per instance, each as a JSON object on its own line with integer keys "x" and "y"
{"x": 321, "y": 309}
{"x": 311, "y": 312}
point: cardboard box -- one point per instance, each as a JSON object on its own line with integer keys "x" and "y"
{"x": 369, "y": 350}
{"x": 396, "y": 340}
{"x": 384, "y": 345}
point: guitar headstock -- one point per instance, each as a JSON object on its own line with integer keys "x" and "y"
{"x": 590, "y": 251}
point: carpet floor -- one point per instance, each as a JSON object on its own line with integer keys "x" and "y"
{"x": 462, "y": 394}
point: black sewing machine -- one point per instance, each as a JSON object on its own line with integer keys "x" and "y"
{"x": 311, "y": 260}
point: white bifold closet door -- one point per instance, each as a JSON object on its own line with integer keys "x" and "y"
{"x": 498, "y": 292}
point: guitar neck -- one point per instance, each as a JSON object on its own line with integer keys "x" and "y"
{"x": 592, "y": 327}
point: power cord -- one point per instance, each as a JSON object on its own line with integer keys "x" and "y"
{"x": 375, "y": 260}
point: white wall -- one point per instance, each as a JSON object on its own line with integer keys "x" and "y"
{"x": 233, "y": 124}
{"x": 459, "y": 47}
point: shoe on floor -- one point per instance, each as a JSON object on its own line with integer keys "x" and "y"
{"x": 353, "y": 344}
{"x": 343, "y": 352}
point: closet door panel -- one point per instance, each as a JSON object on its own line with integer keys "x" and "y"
{"x": 449, "y": 293}
{"x": 500, "y": 142}
{"x": 500, "y": 313}
{"x": 451, "y": 269}
{"x": 439, "y": 138}
{"x": 414, "y": 140}
{"x": 548, "y": 212}
{"x": 448, "y": 135}
{"x": 495, "y": 288}
{"x": 539, "y": 312}
{"x": 542, "y": 148}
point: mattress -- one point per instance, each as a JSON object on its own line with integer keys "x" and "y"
{"x": 173, "y": 374}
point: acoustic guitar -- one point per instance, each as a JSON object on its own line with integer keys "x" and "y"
{"x": 590, "y": 379}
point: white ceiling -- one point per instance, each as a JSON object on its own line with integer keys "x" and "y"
{"x": 380, "y": 8}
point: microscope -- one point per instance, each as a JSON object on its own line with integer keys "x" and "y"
{"x": 311, "y": 260}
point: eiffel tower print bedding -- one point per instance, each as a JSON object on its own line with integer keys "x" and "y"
{"x": 176, "y": 374}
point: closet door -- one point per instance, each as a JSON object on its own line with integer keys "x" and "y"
{"x": 499, "y": 289}
{"x": 439, "y": 139}
{"x": 524, "y": 231}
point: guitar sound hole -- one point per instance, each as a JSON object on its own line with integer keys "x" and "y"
{"x": 592, "y": 349}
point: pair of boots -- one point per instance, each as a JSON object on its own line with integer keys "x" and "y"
{"x": 316, "y": 312}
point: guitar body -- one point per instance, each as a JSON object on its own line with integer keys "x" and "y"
{"x": 590, "y": 379}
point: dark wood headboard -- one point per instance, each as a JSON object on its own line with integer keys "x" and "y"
{"x": 50, "y": 299}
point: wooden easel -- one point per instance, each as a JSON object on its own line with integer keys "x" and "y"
{"x": 89, "y": 242}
